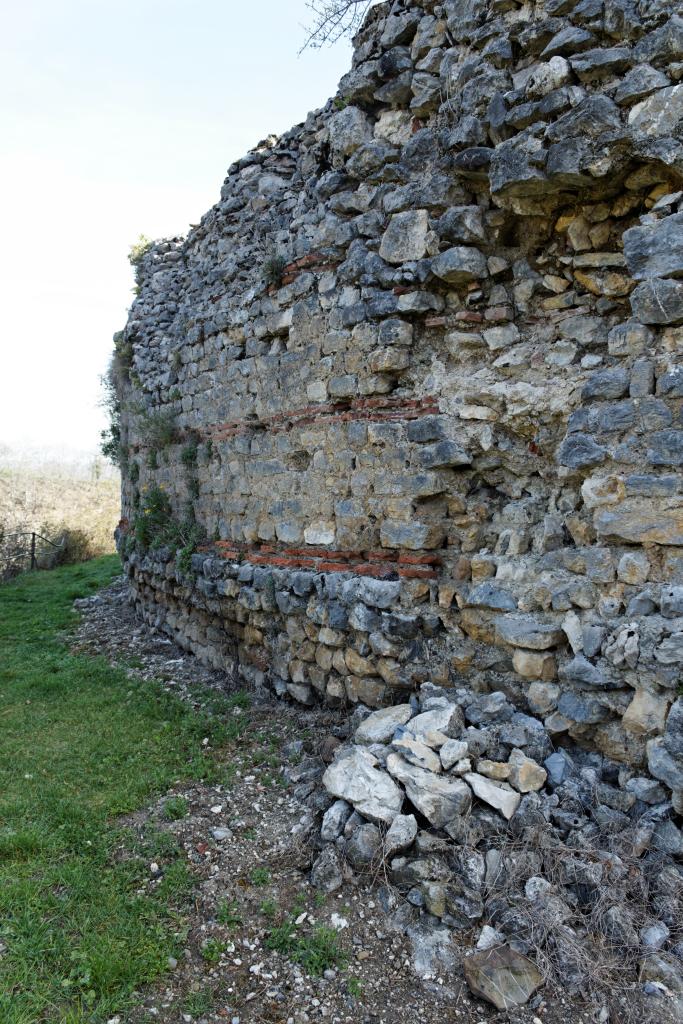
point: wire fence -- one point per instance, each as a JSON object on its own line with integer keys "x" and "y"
{"x": 27, "y": 551}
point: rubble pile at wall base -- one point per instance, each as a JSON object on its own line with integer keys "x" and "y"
{"x": 554, "y": 859}
{"x": 415, "y": 383}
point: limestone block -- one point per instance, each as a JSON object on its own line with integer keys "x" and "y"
{"x": 405, "y": 237}
{"x": 534, "y": 664}
{"x": 440, "y": 798}
{"x": 354, "y": 776}
{"x": 646, "y": 714}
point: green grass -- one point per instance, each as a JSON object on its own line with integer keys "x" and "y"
{"x": 268, "y": 908}
{"x": 175, "y": 807}
{"x": 81, "y": 745}
{"x": 212, "y": 950}
{"x": 199, "y": 1003}
{"x": 316, "y": 950}
{"x": 228, "y": 913}
{"x": 355, "y": 988}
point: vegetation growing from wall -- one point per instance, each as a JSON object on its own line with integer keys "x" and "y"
{"x": 155, "y": 526}
{"x": 158, "y": 428}
{"x": 273, "y": 269}
{"x": 113, "y": 383}
{"x": 136, "y": 254}
{"x": 110, "y": 438}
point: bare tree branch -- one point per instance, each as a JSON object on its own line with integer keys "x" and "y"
{"x": 332, "y": 19}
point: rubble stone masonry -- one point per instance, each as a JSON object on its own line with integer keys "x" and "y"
{"x": 427, "y": 348}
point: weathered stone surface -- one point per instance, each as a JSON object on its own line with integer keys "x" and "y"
{"x": 327, "y": 874}
{"x": 581, "y": 670}
{"x": 655, "y": 250}
{"x": 672, "y": 601}
{"x": 670, "y": 650}
{"x": 502, "y": 977}
{"x": 440, "y": 798}
{"x": 451, "y": 752}
{"x": 460, "y": 265}
{"x": 364, "y": 846}
{"x": 413, "y": 536}
{"x": 348, "y": 130}
{"x": 380, "y": 726}
{"x": 406, "y": 237}
{"x": 462, "y": 224}
{"x": 501, "y": 337}
{"x": 432, "y": 949}
{"x": 664, "y": 43}
{"x": 568, "y": 40}
{"x": 640, "y": 522}
{"x": 529, "y": 632}
{"x": 592, "y": 65}
{"x": 444, "y": 453}
{"x": 504, "y": 800}
{"x": 658, "y": 301}
{"x": 646, "y": 714}
{"x": 400, "y": 835}
{"x": 633, "y": 568}
{"x": 673, "y": 736}
{"x": 534, "y": 665}
{"x": 666, "y": 448}
{"x": 583, "y": 710}
{"x": 417, "y": 753}
{"x": 663, "y": 765}
{"x": 525, "y": 774}
{"x": 334, "y": 819}
{"x": 488, "y": 595}
{"x": 640, "y": 82}
{"x": 580, "y": 451}
{"x": 355, "y": 777}
{"x": 548, "y": 76}
{"x": 660, "y": 114}
{"x": 433, "y": 727}
{"x": 607, "y": 384}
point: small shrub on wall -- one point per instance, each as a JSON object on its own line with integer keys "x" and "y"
{"x": 155, "y": 526}
{"x": 159, "y": 429}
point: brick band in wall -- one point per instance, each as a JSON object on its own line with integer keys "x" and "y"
{"x": 374, "y": 410}
{"x": 382, "y": 564}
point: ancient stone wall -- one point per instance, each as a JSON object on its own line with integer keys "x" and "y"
{"x": 420, "y": 374}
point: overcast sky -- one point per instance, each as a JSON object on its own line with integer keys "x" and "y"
{"x": 120, "y": 118}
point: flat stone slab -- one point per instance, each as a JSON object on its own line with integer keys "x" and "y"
{"x": 430, "y": 726}
{"x": 355, "y": 778}
{"x": 526, "y": 631}
{"x": 380, "y": 726}
{"x": 417, "y": 753}
{"x": 502, "y": 977}
{"x": 503, "y": 800}
{"x": 439, "y": 798}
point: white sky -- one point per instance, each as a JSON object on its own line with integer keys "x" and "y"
{"x": 120, "y": 118}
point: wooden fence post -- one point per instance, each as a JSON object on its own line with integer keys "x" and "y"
{"x": 33, "y": 551}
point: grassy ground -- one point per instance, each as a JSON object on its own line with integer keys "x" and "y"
{"x": 80, "y": 746}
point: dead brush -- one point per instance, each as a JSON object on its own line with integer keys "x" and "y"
{"x": 585, "y": 939}
{"x": 589, "y": 946}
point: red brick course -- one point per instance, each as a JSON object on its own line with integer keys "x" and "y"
{"x": 379, "y": 564}
{"x": 375, "y": 409}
